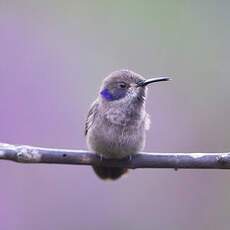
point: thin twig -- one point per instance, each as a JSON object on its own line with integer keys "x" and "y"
{"x": 29, "y": 154}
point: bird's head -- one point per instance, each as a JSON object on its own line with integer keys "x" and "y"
{"x": 125, "y": 86}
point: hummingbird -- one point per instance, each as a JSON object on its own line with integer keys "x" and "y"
{"x": 117, "y": 121}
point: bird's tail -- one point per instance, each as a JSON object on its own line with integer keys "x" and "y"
{"x": 109, "y": 172}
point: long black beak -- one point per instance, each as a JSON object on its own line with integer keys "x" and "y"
{"x": 152, "y": 80}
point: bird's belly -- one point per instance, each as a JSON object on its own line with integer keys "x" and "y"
{"x": 116, "y": 142}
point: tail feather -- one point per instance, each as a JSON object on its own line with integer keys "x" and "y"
{"x": 109, "y": 173}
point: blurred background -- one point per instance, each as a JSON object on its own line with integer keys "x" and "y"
{"x": 53, "y": 57}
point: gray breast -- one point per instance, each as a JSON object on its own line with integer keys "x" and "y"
{"x": 116, "y": 135}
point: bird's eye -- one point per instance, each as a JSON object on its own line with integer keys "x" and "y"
{"x": 122, "y": 85}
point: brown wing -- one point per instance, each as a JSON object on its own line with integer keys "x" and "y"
{"x": 91, "y": 116}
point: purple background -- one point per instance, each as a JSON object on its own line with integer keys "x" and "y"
{"x": 53, "y": 57}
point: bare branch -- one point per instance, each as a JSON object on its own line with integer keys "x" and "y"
{"x": 29, "y": 154}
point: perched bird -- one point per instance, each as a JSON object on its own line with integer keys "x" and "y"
{"x": 117, "y": 120}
